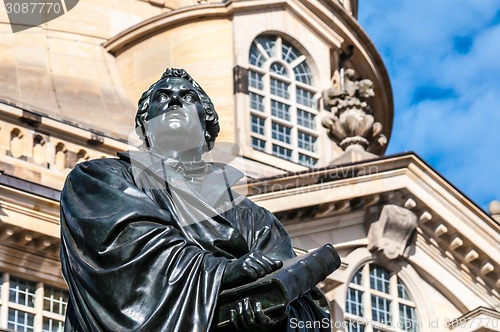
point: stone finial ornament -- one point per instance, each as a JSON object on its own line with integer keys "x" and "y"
{"x": 391, "y": 233}
{"x": 350, "y": 122}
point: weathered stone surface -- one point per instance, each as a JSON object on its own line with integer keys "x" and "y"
{"x": 350, "y": 122}
{"x": 390, "y": 234}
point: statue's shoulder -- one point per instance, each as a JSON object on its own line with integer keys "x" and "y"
{"x": 101, "y": 167}
{"x": 108, "y": 163}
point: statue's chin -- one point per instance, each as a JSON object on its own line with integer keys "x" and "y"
{"x": 174, "y": 125}
{"x": 178, "y": 139}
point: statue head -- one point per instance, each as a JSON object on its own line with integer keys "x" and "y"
{"x": 152, "y": 100}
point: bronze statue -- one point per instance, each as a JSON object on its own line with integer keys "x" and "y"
{"x": 150, "y": 239}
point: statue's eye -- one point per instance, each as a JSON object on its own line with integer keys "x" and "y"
{"x": 189, "y": 97}
{"x": 162, "y": 97}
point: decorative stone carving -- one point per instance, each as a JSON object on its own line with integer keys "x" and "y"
{"x": 60, "y": 156}
{"x": 16, "y": 143}
{"x": 350, "y": 123}
{"x": 39, "y": 150}
{"x": 392, "y": 232}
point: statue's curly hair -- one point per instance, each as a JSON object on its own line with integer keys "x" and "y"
{"x": 211, "y": 117}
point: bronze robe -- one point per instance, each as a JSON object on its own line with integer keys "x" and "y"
{"x": 131, "y": 264}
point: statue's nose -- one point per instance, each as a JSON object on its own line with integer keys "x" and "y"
{"x": 175, "y": 100}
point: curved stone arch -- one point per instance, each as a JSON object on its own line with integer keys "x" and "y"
{"x": 413, "y": 281}
{"x": 360, "y": 257}
{"x": 337, "y": 297}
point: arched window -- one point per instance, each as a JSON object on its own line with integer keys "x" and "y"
{"x": 377, "y": 300}
{"x": 282, "y": 101}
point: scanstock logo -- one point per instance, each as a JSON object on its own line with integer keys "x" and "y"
{"x": 25, "y": 14}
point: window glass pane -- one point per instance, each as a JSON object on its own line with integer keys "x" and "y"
{"x": 288, "y": 52}
{"x": 354, "y": 302}
{"x": 280, "y": 110}
{"x": 355, "y": 327}
{"x": 381, "y": 309}
{"x": 302, "y": 73}
{"x": 20, "y": 320}
{"x": 22, "y": 292}
{"x": 279, "y": 88}
{"x": 279, "y": 69}
{"x": 255, "y": 80}
{"x": 52, "y": 325}
{"x": 379, "y": 279}
{"x": 281, "y": 133}
{"x": 256, "y": 102}
{"x": 269, "y": 45}
{"x": 305, "y": 97}
{"x": 403, "y": 291}
{"x": 407, "y": 318}
{"x": 356, "y": 279}
{"x": 256, "y": 57}
{"x": 306, "y": 119}
{"x": 306, "y": 141}
{"x": 258, "y": 144}
{"x": 258, "y": 125}
{"x": 55, "y": 300}
{"x": 282, "y": 152}
{"x": 307, "y": 160}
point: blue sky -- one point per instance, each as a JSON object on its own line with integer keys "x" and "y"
{"x": 443, "y": 58}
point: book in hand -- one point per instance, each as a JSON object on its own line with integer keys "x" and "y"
{"x": 278, "y": 289}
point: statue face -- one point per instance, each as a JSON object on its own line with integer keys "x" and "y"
{"x": 176, "y": 117}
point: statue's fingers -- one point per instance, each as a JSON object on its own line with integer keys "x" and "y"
{"x": 248, "y": 313}
{"x": 242, "y": 323}
{"x": 266, "y": 264}
{"x": 233, "y": 318}
{"x": 260, "y": 316}
{"x": 255, "y": 270}
{"x": 273, "y": 263}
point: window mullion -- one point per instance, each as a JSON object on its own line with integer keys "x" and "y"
{"x": 297, "y": 61}
{"x": 293, "y": 119}
{"x": 393, "y": 290}
{"x": 267, "y": 111}
{"x": 4, "y": 309}
{"x": 38, "y": 323}
{"x": 365, "y": 282}
{"x": 278, "y": 48}
{"x": 262, "y": 50}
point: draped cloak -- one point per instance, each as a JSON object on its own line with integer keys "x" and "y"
{"x": 133, "y": 263}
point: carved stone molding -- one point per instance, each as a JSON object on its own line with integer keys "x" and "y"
{"x": 350, "y": 123}
{"x": 390, "y": 235}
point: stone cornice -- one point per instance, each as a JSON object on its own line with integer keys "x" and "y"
{"x": 451, "y": 267}
{"x": 24, "y": 209}
{"x": 61, "y": 129}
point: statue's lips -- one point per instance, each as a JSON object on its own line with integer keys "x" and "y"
{"x": 177, "y": 114}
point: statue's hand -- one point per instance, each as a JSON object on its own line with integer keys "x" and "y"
{"x": 248, "y": 318}
{"x": 248, "y": 268}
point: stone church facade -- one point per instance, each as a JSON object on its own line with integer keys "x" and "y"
{"x": 303, "y": 93}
